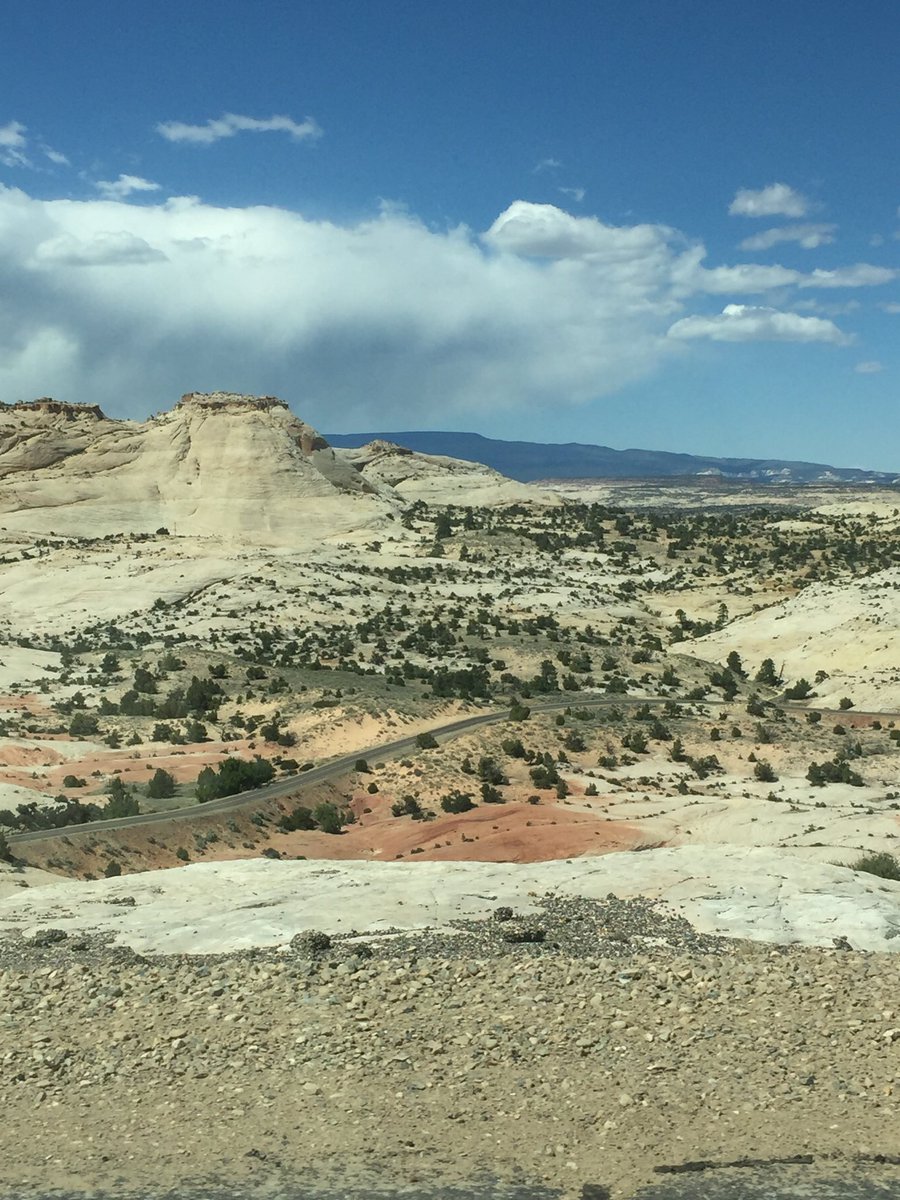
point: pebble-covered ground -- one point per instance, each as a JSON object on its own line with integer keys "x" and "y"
{"x": 591, "y": 1042}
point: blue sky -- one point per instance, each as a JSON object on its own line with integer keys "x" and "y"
{"x": 668, "y": 223}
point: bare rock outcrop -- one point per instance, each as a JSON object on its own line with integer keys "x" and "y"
{"x": 38, "y": 433}
{"x": 219, "y": 464}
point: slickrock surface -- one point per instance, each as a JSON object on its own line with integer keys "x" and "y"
{"x": 216, "y": 907}
{"x": 426, "y": 1063}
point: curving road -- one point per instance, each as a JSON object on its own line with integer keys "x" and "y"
{"x": 293, "y": 784}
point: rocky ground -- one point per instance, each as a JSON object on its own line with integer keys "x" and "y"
{"x": 619, "y": 1042}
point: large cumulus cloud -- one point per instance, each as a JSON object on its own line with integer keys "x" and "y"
{"x": 383, "y": 319}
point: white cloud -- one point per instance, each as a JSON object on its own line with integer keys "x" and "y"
{"x": 810, "y": 237}
{"x": 859, "y": 275}
{"x": 230, "y": 124}
{"x": 748, "y": 323}
{"x": 125, "y": 185}
{"x": 546, "y": 164}
{"x": 744, "y": 279}
{"x": 131, "y": 304}
{"x": 101, "y": 249}
{"x": 12, "y": 145}
{"x": 872, "y": 367}
{"x": 830, "y": 309}
{"x": 753, "y": 278}
{"x": 892, "y": 306}
{"x": 576, "y": 193}
{"x": 634, "y": 256}
{"x": 383, "y": 318}
{"x": 776, "y": 200}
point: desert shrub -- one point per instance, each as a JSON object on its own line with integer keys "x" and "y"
{"x": 144, "y": 681}
{"x": 161, "y": 785}
{"x": 704, "y": 765}
{"x": 426, "y": 741}
{"x": 799, "y": 690}
{"x": 767, "y": 674}
{"x": 844, "y": 703}
{"x": 72, "y": 781}
{"x": 361, "y": 767}
{"x": 884, "y": 865}
{"x": 635, "y": 740}
{"x": 543, "y": 776}
{"x": 726, "y": 681}
{"x": 182, "y": 854}
{"x": 491, "y": 795}
{"x": 233, "y": 775}
{"x": 836, "y": 771}
{"x": 457, "y": 802}
{"x": 408, "y": 806}
{"x": 372, "y": 788}
{"x": 112, "y": 870}
{"x": 328, "y": 817}
{"x": 298, "y": 818}
{"x": 490, "y": 772}
{"x": 122, "y": 802}
{"x": 133, "y": 704}
{"x": 764, "y": 772}
{"x": 83, "y": 725}
{"x": 6, "y": 854}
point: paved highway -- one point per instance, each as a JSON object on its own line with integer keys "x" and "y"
{"x": 295, "y": 784}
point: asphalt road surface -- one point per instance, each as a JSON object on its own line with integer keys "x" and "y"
{"x": 292, "y": 785}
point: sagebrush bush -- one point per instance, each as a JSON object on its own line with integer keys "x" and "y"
{"x": 884, "y": 865}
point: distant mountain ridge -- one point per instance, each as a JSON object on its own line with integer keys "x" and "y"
{"x": 529, "y": 461}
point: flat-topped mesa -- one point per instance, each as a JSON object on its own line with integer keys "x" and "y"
{"x": 229, "y": 400}
{"x": 47, "y": 404}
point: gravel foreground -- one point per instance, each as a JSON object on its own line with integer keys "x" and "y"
{"x": 596, "y": 1043}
